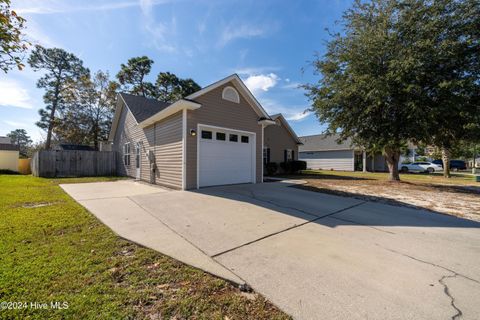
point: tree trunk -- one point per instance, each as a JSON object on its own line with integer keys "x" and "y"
{"x": 446, "y": 162}
{"x": 50, "y": 127}
{"x": 52, "y": 113}
{"x": 392, "y": 156}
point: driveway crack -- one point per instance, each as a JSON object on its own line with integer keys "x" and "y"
{"x": 430, "y": 263}
{"x": 283, "y": 230}
{"x": 446, "y": 290}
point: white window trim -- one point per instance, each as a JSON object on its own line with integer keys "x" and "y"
{"x": 289, "y": 153}
{"x": 213, "y": 128}
{"x": 237, "y": 96}
{"x": 126, "y": 153}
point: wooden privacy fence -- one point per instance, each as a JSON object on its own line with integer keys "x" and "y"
{"x": 24, "y": 166}
{"x": 73, "y": 163}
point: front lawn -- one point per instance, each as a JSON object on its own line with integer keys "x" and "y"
{"x": 459, "y": 195}
{"x": 54, "y": 250}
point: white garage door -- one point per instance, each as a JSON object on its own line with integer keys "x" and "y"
{"x": 225, "y": 156}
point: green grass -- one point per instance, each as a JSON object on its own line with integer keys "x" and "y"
{"x": 435, "y": 178}
{"x": 52, "y": 249}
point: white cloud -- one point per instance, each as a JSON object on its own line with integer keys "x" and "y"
{"x": 15, "y": 124}
{"x": 261, "y": 82}
{"x": 157, "y": 30}
{"x": 244, "y": 31}
{"x": 291, "y": 85}
{"x": 291, "y": 113}
{"x": 298, "y": 116}
{"x": 248, "y": 71}
{"x": 55, "y": 6}
{"x": 14, "y": 95}
{"x": 35, "y": 35}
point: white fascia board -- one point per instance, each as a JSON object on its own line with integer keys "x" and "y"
{"x": 266, "y": 122}
{"x": 116, "y": 117}
{"x": 172, "y": 109}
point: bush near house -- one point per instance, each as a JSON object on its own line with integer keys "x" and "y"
{"x": 293, "y": 166}
{"x": 271, "y": 168}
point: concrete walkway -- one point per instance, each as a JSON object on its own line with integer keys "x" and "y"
{"x": 314, "y": 255}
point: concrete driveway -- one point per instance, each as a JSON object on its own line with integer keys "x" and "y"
{"x": 314, "y": 255}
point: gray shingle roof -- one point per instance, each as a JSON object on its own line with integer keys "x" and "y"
{"x": 8, "y": 146}
{"x": 321, "y": 142}
{"x": 143, "y": 108}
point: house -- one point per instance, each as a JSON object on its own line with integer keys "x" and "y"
{"x": 280, "y": 143}
{"x": 74, "y": 147}
{"x": 212, "y": 137}
{"x": 9, "y": 154}
{"x": 322, "y": 151}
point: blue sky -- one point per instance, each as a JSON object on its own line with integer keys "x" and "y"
{"x": 266, "y": 42}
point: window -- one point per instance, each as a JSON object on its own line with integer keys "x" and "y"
{"x": 221, "y": 136}
{"x": 288, "y": 155}
{"x": 266, "y": 155}
{"x": 233, "y": 138}
{"x": 244, "y": 139}
{"x": 206, "y": 134}
{"x": 230, "y": 94}
{"x": 126, "y": 153}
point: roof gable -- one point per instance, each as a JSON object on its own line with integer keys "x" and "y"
{"x": 235, "y": 80}
{"x": 285, "y": 124}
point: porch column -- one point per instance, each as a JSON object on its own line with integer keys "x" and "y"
{"x": 364, "y": 158}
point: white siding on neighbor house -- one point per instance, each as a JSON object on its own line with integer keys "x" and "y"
{"x": 337, "y": 160}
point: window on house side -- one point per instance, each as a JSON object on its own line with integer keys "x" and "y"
{"x": 126, "y": 153}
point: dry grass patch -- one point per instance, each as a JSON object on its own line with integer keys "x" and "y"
{"x": 459, "y": 196}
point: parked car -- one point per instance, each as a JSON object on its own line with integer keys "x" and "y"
{"x": 428, "y": 167}
{"x": 454, "y": 164}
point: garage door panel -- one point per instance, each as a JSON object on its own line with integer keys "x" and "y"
{"x": 225, "y": 162}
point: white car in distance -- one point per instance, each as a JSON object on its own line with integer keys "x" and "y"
{"x": 423, "y": 166}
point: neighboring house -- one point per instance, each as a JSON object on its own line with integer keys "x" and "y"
{"x": 74, "y": 147}
{"x": 9, "y": 155}
{"x": 322, "y": 151}
{"x": 280, "y": 143}
{"x": 211, "y": 137}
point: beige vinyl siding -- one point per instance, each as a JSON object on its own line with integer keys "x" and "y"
{"x": 168, "y": 151}
{"x": 221, "y": 113}
{"x": 164, "y": 138}
{"x": 278, "y": 138}
{"x": 128, "y": 131}
{"x": 9, "y": 160}
{"x": 342, "y": 160}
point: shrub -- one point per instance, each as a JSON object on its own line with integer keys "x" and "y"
{"x": 271, "y": 168}
{"x": 293, "y": 166}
